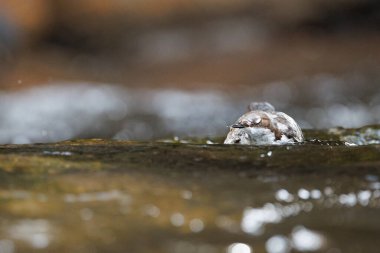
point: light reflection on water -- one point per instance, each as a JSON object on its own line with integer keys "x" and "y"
{"x": 7, "y": 246}
{"x": 152, "y": 210}
{"x": 306, "y": 240}
{"x": 177, "y": 219}
{"x": 98, "y": 196}
{"x": 239, "y": 248}
{"x": 302, "y": 239}
{"x": 277, "y": 244}
{"x": 254, "y": 219}
{"x": 38, "y": 233}
{"x": 284, "y": 195}
{"x": 303, "y": 194}
{"x": 274, "y": 226}
{"x": 196, "y": 225}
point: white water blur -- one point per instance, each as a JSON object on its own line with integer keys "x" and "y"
{"x": 60, "y": 111}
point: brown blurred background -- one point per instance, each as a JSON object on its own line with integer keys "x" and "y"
{"x": 155, "y": 64}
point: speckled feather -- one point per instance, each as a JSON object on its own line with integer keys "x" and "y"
{"x": 262, "y": 125}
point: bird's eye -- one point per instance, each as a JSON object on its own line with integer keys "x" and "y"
{"x": 237, "y": 141}
{"x": 257, "y": 120}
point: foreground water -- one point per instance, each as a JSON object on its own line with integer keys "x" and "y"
{"x": 193, "y": 196}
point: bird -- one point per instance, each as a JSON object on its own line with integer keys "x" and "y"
{"x": 263, "y": 125}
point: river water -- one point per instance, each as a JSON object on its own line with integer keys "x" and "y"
{"x": 193, "y": 195}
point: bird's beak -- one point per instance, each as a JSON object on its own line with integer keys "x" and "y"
{"x": 238, "y": 125}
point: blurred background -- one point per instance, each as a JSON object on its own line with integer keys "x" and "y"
{"x": 148, "y": 69}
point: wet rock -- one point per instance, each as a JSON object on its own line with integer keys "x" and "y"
{"x": 364, "y": 136}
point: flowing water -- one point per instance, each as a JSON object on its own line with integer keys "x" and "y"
{"x": 193, "y": 195}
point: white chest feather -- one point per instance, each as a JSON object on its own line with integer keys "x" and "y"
{"x": 261, "y": 136}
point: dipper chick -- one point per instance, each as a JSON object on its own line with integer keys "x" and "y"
{"x": 262, "y": 125}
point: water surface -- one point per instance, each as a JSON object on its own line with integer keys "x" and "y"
{"x": 168, "y": 196}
